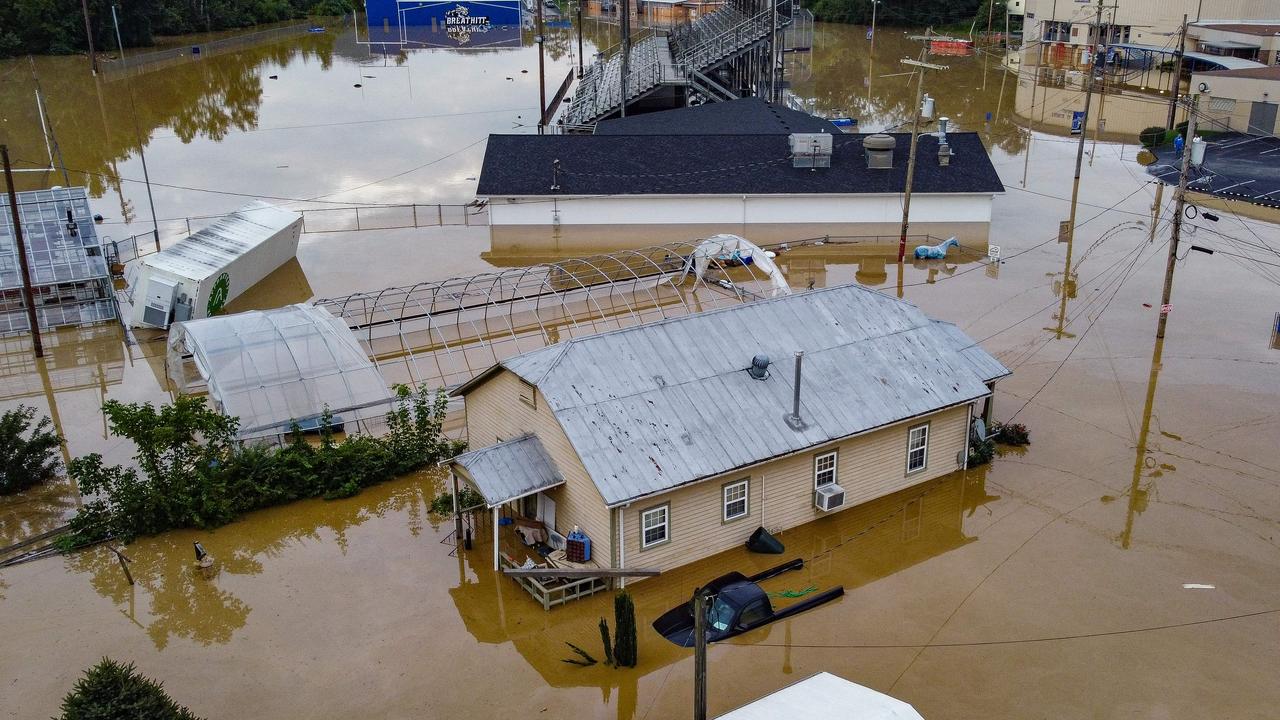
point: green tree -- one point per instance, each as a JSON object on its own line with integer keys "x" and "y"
{"x": 28, "y": 455}
{"x": 114, "y": 691}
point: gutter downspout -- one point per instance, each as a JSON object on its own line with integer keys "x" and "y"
{"x": 622, "y": 543}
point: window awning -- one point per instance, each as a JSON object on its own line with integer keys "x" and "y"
{"x": 509, "y": 470}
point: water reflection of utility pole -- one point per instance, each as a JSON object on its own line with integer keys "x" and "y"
{"x": 142, "y": 152}
{"x": 1137, "y": 495}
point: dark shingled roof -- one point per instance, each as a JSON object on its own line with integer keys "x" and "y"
{"x": 747, "y": 116}
{"x": 521, "y": 165}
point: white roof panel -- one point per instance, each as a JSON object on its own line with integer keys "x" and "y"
{"x": 825, "y": 697}
{"x": 213, "y": 248}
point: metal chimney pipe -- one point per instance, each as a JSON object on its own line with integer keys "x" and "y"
{"x": 795, "y": 405}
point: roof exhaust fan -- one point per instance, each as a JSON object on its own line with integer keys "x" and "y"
{"x": 759, "y": 369}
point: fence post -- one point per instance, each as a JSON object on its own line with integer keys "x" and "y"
{"x": 357, "y": 218}
{"x": 440, "y": 214}
{"x": 415, "y": 214}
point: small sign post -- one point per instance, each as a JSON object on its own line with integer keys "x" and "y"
{"x": 993, "y": 253}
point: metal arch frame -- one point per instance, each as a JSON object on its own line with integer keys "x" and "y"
{"x": 593, "y": 294}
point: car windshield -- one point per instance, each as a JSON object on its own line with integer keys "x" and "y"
{"x": 720, "y": 615}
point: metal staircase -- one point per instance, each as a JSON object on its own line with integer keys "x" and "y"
{"x": 688, "y": 58}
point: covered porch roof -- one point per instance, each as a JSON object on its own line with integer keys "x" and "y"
{"x": 509, "y": 470}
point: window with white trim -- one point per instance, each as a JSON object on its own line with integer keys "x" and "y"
{"x": 917, "y": 448}
{"x": 735, "y": 499}
{"x": 654, "y": 526}
{"x": 824, "y": 468}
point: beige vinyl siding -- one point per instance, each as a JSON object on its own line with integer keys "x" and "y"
{"x": 781, "y": 492}
{"x": 494, "y": 410}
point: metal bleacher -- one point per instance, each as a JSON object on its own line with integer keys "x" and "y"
{"x": 688, "y": 55}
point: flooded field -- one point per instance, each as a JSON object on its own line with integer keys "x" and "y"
{"x": 1053, "y": 583}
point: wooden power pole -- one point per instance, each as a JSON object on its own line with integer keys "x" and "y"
{"x": 699, "y": 654}
{"x": 1179, "y": 206}
{"x": 1177, "y": 75}
{"x": 915, "y": 137}
{"x": 540, "y": 38}
{"x": 88, "y": 33}
{"x": 20, "y": 248}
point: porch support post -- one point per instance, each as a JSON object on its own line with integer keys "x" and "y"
{"x": 457, "y": 516}
{"x": 496, "y": 567}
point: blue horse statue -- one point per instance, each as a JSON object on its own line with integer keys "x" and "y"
{"x": 936, "y": 252}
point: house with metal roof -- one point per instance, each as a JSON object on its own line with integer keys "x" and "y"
{"x": 735, "y": 166}
{"x": 668, "y": 442}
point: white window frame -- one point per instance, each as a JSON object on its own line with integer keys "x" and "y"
{"x": 665, "y": 510}
{"x": 834, "y": 469}
{"x": 911, "y": 447}
{"x": 745, "y": 485}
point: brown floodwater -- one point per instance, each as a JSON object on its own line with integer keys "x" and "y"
{"x": 1048, "y": 584}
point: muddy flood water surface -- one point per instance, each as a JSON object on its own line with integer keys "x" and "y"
{"x": 1124, "y": 565}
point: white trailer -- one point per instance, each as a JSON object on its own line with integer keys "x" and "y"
{"x": 198, "y": 276}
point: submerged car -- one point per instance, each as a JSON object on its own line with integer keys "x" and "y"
{"x": 737, "y": 604}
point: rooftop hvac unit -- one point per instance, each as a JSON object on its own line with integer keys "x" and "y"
{"x": 829, "y": 497}
{"x": 810, "y": 150}
{"x": 161, "y": 295}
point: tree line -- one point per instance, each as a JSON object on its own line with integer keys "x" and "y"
{"x": 57, "y": 27}
{"x": 910, "y": 13}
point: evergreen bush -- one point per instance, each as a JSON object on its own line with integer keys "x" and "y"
{"x": 624, "y": 630}
{"x": 1152, "y": 137}
{"x": 28, "y": 455}
{"x": 114, "y": 691}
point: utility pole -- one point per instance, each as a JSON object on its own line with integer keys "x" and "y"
{"x": 88, "y": 33}
{"x": 915, "y": 137}
{"x": 773, "y": 50}
{"x": 1179, "y": 206}
{"x": 142, "y": 152}
{"x": 21, "y": 248}
{"x": 699, "y": 654}
{"x": 580, "y": 70}
{"x": 1177, "y": 75}
{"x": 626, "y": 55}
{"x": 542, "y": 77}
{"x": 1084, "y": 124}
{"x": 1035, "y": 85}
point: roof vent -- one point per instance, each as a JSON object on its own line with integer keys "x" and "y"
{"x": 879, "y": 149}
{"x": 810, "y": 150}
{"x": 759, "y": 367}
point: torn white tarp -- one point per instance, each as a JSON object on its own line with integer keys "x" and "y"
{"x": 731, "y": 250}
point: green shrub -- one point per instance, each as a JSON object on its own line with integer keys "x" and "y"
{"x": 1152, "y": 137}
{"x": 113, "y": 691}
{"x": 442, "y": 504}
{"x": 1010, "y": 434}
{"x": 624, "y": 630}
{"x": 193, "y": 473}
{"x": 28, "y": 455}
{"x": 981, "y": 453}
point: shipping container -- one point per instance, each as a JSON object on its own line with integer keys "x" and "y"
{"x": 199, "y": 275}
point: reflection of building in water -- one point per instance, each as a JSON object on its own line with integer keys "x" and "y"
{"x": 396, "y": 24}
{"x": 70, "y": 283}
{"x": 854, "y": 549}
{"x": 734, "y": 167}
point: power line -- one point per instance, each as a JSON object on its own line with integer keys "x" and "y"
{"x": 1018, "y": 641}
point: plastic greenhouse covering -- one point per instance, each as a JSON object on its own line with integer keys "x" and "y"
{"x": 271, "y": 368}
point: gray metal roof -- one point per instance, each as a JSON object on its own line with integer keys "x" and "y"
{"x": 653, "y": 407}
{"x": 510, "y": 469}
{"x": 55, "y": 255}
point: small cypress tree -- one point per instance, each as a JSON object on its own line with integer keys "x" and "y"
{"x": 604, "y": 638}
{"x": 624, "y": 625}
{"x": 114, "y": 691}
{"x": 28, "y": 453}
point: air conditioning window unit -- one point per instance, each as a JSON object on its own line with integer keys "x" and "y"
{"x": 829, "y": 497}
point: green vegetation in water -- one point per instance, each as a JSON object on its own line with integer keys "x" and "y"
{"x": 442, "y": 504}
{"x": 584, "y": 658}
{"x": 28, "y": 455}
{"x": 192, "y": 472}
{"x": 114, "y": 691}
{"x": 624, "y": 624}
{"x": 983, "y": 452}
{"x": 57, "y": 26}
